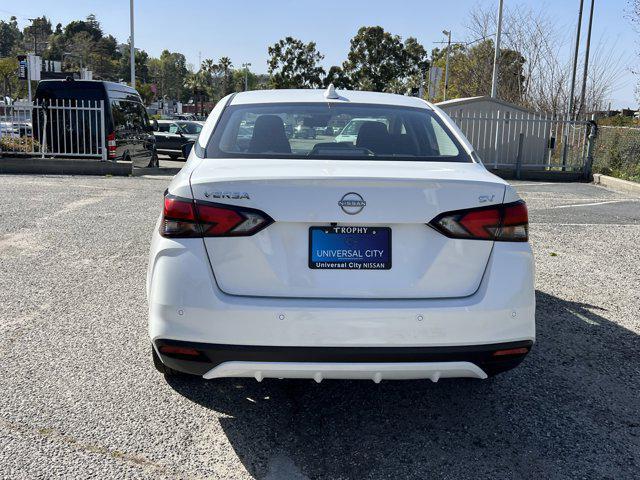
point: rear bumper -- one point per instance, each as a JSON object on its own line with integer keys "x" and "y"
{"x": 375, "y": 363}
{"x": 186, "y": 304}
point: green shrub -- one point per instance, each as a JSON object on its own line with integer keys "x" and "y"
{"x": 617, "y": 152}
{"x": 19, "y": 144}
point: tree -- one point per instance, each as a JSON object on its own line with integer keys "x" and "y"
{"x": 8, "y": 69}
{"x": 141, "y": 58}
{"x": 337, "y": 77}
{"x": 546, "y": 71}
{"x": 295, "y": 64}
{"x": 146, "y": 92}
{"x": 80, "y": 48}
{"x": 10, "y": 37}
{"x": 471, "y": 71}
{"x": 196, "y": 83}
{"x": 375, "y": 59}
{"x": 36, "y": 34}
{"x": 225, "y": 66}
{"x": 169, "y": 72}
{"x": 379, "y": 61}
{"x": 238, "y": 80}
{"x": 90, "y": 25}
{"x": 417, "y": 64}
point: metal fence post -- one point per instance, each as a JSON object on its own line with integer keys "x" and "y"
{"x": 519, "y": 157}
{"x": 43, "y": 147}
{"x": 591, "y": 143}
{"x": 103, "y": 137}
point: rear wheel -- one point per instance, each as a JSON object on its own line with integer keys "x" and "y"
{"x": 173, "y": 156}
{"x": 162, "y": 368}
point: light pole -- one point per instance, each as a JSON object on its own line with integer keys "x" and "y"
{"x": 133, "y": 48}
{"x": 496, "y": 57}
{"x": 446, "y": 64}
{"x": 565, "y": 148}
{"x": 246, "y": 75}
{"x": 586, "y": 61}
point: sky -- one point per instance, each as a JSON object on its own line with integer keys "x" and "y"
{"x": 242, "y": 30}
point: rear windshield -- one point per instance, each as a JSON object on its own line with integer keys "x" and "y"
{"x": 333, "y": 131}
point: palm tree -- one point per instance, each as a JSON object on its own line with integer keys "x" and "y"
{"x": 225, "y": 66}
{"x": 196, "y": 82}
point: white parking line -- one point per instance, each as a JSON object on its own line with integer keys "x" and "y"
{"x": 534, "y": 184}
{"x": 590, "y": 204}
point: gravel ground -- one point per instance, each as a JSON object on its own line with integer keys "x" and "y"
{"x": 80, "y": 398}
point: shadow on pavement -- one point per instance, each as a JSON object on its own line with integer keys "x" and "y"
{"x": 569, "y": 411}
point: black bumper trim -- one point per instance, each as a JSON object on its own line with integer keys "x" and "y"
{"x": 213, "y": 355}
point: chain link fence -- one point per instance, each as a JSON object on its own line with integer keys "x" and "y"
{"x": 617, "y": 152}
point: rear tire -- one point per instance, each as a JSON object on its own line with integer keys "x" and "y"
{"x": 162, "y": 368}
{"x": 174, "y": 157}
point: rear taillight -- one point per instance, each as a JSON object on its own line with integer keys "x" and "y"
{"x": 111, "y": 146}
{"x": 507, "y": 222}
{"x": 185, "y": 218}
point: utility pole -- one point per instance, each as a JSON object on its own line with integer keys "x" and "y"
{"x": 35, "y": 37}
{"x": 446, "y": 64}
{"x": 246, "y": 75}
{"x": 575, "y": 62}
{"x": 133, "y": 48}
{"x": 572, "y": 90}
{"x": 35, "y": 52}
{"x": 586, "y": 61}
{"x": 496, "y": 57}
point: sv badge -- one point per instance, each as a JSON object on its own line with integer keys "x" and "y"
{"x": 486, "y": 198}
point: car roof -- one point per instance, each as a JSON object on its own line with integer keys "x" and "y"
{"x": 318, "y": 96}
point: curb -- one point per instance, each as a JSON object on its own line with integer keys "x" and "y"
{"x": 617, "y": 184}
{"x": 62, "y": 166}
{"x": 538, "y": 175}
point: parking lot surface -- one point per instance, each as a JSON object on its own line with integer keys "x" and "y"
{"x": 80, "y": 398}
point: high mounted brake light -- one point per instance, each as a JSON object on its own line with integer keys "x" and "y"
{"x": 186, "y": 218}
{"x": 508, "y": 222}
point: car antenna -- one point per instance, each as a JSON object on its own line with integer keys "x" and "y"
{"x": 330, "y": 92}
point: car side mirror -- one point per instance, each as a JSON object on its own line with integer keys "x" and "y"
{"x": 186, "y": 149}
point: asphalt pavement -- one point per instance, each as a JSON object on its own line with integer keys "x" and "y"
{"x": 79, "y": 397}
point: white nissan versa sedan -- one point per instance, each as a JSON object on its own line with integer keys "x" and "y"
{"x": 396, "y": 255}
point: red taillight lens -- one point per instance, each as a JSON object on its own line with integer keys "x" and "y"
{"x": 179, "y": 218}
{"x": 507, "y": 222}
{"x": 515, "y": 223}
{"x": 111, "y": 145}
{"x": 183, "y": 218}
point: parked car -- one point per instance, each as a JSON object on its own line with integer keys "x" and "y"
{"x": 171, "y": 135}
{"x": 396, "y": 257}
{"x": 350, "y": 131}
{"x": 302, "y": 131}
{"x": 9, "y": 129}
{"x": 128, "y": 132}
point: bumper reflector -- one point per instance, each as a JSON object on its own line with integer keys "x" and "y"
{"x": 511, "y": 351}
{"x": 177, "y": 350}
